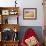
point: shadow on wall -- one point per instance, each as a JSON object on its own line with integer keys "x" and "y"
{"x": 37, "y": 29}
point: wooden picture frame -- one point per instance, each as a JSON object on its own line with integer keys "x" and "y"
{"x": 13, "y": 12}
{"x": 30, "y": 13}
{"x": 5, "y": 12}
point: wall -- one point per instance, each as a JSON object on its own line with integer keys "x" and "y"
{"x": 37, "y": 24}
{"x": 26, "y": 4}
{"x": 33, "y": 4}
{"x": 37, "y": 30}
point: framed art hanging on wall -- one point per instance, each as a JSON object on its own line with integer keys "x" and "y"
{"x": 30, "y": 13}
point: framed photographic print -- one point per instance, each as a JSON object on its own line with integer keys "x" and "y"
{"x": 13, "y": 12}
{"x": 5, "y": 12}
{"x": 30, "y": 13}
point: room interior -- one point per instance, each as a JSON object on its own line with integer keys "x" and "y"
{"x": 16, "y": 16}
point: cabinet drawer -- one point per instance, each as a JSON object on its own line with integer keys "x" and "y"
{"x": 10, "y": 44}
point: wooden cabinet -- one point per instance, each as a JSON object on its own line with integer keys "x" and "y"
{"x": 44, "y": 6}
{"x": 8, "y": 14}
{"x": 9, "y": 23}
{"x": 10, "y": 43}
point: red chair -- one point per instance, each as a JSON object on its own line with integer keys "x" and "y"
{"x": 29, "y": 33}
